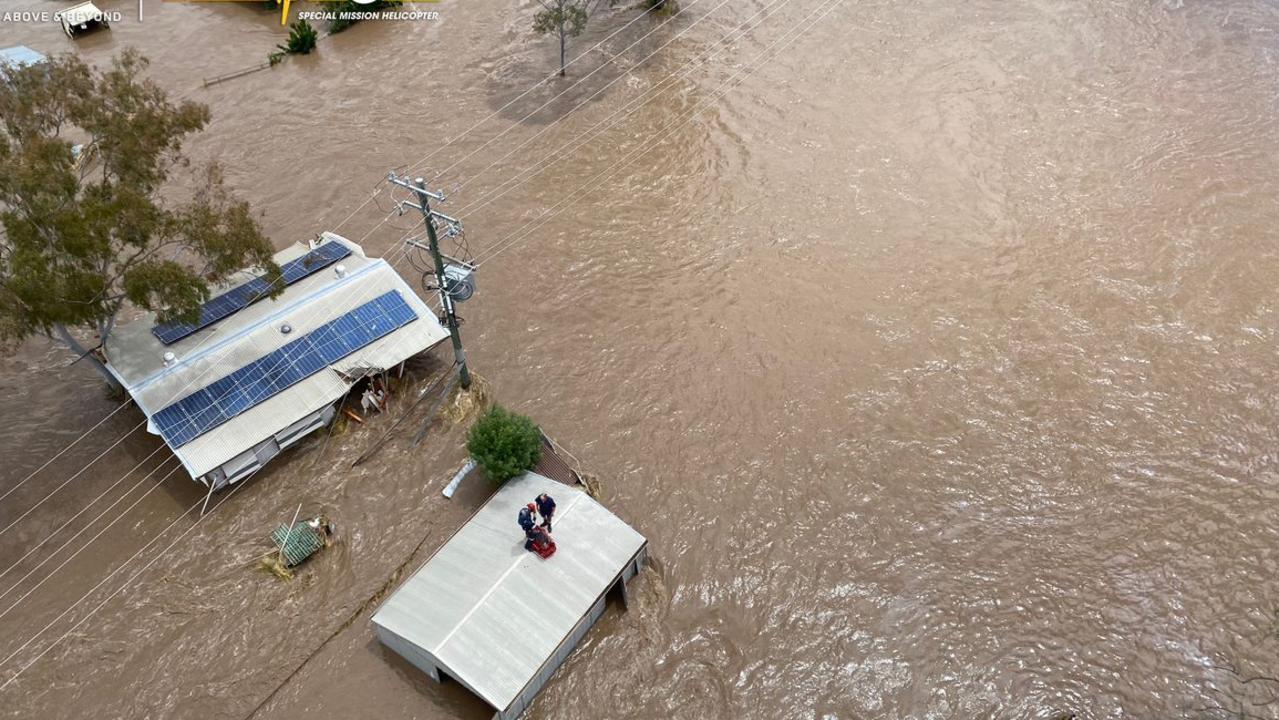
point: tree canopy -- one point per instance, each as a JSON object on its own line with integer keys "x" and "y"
{"x": 564, "y": 18}
{"x": 504, "y": 443}
{"x": 84, "y": 157}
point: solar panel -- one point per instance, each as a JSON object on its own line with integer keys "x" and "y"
{"x": 229, "y": 396}
{"x": 242, "y": 296}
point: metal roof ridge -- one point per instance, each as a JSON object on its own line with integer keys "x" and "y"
{"x": 319, "y": 292}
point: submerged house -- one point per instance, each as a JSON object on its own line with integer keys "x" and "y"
{"x": 256, "y": 374}
{"x": 19, "y": 56}
{"x": 500, "y": 620}
{"x": 82, "y": 18}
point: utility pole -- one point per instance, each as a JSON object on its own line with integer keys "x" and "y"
{"x": 424, "y": 196}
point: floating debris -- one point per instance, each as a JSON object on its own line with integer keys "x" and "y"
{"x": 465, "y": 403}
{"x": 295, "y": 543}
{"x": 301, "y": 541}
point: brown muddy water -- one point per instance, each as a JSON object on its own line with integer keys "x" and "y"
{"x": 936, "y": 359}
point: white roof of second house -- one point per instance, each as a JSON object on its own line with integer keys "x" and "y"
{"x": 19, "y": 56}
{"x": 136, "y": 356}
{"x": 82, "y": 13}
{"x": 492, "y": 613}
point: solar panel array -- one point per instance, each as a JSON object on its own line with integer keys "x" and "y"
{"x": 242, "y": 296}
{"x": 209, "y": 407}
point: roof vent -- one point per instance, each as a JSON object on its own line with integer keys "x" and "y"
{"x": 286, "y": 328}
{"x": 340, "y": 270}
{"x": 170, "y": 358}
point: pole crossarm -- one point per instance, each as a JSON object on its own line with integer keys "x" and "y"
{"x": 418, "y": 186}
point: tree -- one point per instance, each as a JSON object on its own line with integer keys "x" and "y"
{"x": 302, "y": 39}
{"x": 85, "y": 228}
{"x": 504, "y": 443}
{"x": 566, "y": 18}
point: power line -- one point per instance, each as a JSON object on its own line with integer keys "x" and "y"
{"x": 241, "y": 484}
{"x": 73, "y": 477}
{"x": 108, "y": 416}
{"x": 585, "y": 187}
{"x": 497, "y": 249}
{"x": 126, "y": 583}
{"x": 582, "y": 139}
{"x": 121, "y": 515}
{"x": 392, "y": 262}
{"x": 541, "y": 107}
{"x": 91, "y": 613}
{"x": 371, "y": 198}
{"x": 608, "y": 85}
{"x": 499, "y": 111}
{"x": 63, "y": 451}
{"x": 78, "y": 514}
{"x": 176, "y": 395}
{"x": 424, "y": 198}
{"x": 83, "y": 545}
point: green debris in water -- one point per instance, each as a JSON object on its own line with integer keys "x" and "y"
{"x": 299, "y": 544}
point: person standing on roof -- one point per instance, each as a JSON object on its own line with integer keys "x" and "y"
{"x": 546, "y": 508}
{"x": 528, "y": 519}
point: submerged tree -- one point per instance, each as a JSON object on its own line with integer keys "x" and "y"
{"x": 566, "y": 19}
{"x": 85, "y": 228}
{"x": 302, "y": 40}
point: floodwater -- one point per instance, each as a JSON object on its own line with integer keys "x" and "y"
{"x": 933, "y": 348}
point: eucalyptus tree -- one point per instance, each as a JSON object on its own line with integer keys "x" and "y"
{"x": 90, "y": 221}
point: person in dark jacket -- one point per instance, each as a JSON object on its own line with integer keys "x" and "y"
{"x": 527, "y": 519}
{"x": 546, "y": 508}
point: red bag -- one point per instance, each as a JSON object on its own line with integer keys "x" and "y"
{"x": 544, "y": 550}
{"x": 543, "y": 544}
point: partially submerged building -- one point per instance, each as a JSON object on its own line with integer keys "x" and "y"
{"x": 19, "y": 56}
{"x": 498, "y": 619}
{"x": 256, "y": 374}
{"x": 82, "y": 18}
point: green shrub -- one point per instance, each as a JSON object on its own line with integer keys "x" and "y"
{"x": 504, "y": 443}
{"x": 302, "y": 38}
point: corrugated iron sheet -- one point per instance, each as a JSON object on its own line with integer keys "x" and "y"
{"x": 495, "y": 616}
{"x": 136, "y": 356}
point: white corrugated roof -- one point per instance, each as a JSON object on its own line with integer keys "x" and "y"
{"x": 490, "y": 612}
{"x": 20, "y": 56}
{"x": 136, "y": 356}
{"x": 82, "y": 13}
